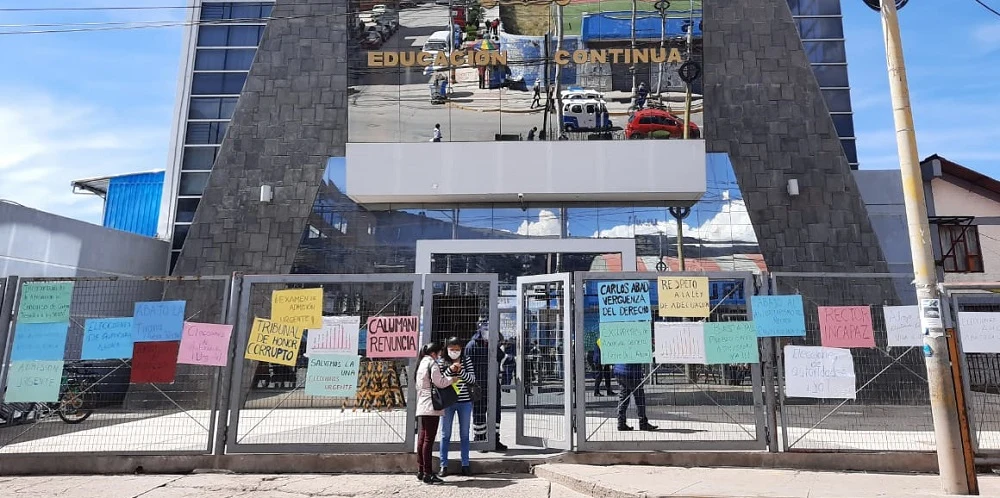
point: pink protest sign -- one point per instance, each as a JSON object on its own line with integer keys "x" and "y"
{"x": 204, "y": 344}
{"x": 392, "y": 337}
{"x": 846, "y": 327}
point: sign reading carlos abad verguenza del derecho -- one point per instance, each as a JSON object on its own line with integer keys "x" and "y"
{"x": 490, "y": 58}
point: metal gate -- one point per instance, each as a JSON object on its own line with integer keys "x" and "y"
{"x": 269, "y": 410}
{"x": 545, "y": 362}
{"x": 465, "y": 306}
{"x": 697, "y": 407}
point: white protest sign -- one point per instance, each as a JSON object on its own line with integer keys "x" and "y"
{"x": 902, "y": 326}
{"x": 818, "y": 372}
{"x": 980, "y": 332}
{"x": 339, "y": 335}
{"x": 679, "y": 342}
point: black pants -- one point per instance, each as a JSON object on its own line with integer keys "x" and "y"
{"x": 479, "y": 410}
{"x": 603, "y": 372}
{"x": 631, "y": 386}
{"x": 425, "y": 443}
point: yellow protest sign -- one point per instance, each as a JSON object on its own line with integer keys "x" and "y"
{"x": 685, "y": 297}
{"x": 300, "y": 307}
{"x": 274, "y": 342}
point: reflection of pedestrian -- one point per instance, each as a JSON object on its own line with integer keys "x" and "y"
{"x": 603, "y": 372}
{"x": 643, "y": 93}
{"x": 437, "y": 133}
{"x": 482, "y": 77}
{"x": 630, "y": 379}
{"x": 496, "y": 27}
{"x": 549, "y": 102}
{"x": 531, "y": 133}
{"x": 537, "y": 95}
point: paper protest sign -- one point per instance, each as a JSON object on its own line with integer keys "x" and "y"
{"x": 339, "y": 335}
{"x": 392, "y": 336}
{"x": 626, "y": 343}
{"x": 683, "y": 297}
{"x": 730, "y": 343}
{"x": 333, "y": 375}
{"x": 154, "y": 362}
{"x": 902, "y": 326}
{"x": 680, "y": 342}
{"x": 45, "y": 302}
{"x": 273, "y": 342}
{"x": 846, "y": 326}
{"x": 39, "y": 341}
{"x": 107, "y": 338}
{"x": 33, "y": 381}
{"x": 624, "y": 301}
{"x": 158, "y": 321}
{"x": 302, "y": 308}
{"x": 819, "y": 372}
{"x": 980, "y": 332}
{"x": 778, "y": 316}
{"x": 205, "y": 344}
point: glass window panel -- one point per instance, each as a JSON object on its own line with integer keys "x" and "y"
{"x": 213, "y": 11}
{"x": 185, "y": 210}
{"x": 199, "y": 158}
{"x": 205, "y": 133}
{"x": 228, "y": 107}
{"x": 204, "y": 108}
{"x": 838, "y": 100}
{"x": 815, "y": 7}
{"x": 265, "y": 10}
{"x": 193, "y": 183}
{"x": 244, "y": 36}
{"x": 207, "y": 83}
{"x": 239, "y": 59}
{"x": 825, "y": 51}
{"x": 232, "y": 83}
{"x": 242, "y": 11}
{"x": 212, "y": 36}
{"x": 850, "y": 150}
{"x": 180, "y": 233}
{"x": 844, "y": 123}
{"x": 820, "y": 28}
{"x": 209, "y": 60}
{"x": 831, "y": 76}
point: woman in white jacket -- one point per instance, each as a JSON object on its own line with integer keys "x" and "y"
{"x": 428, "y": 373}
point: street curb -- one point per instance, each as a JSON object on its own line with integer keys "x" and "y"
{"x": 583, "y": 486}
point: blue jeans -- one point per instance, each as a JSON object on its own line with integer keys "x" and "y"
{"x": 464, "y": 411}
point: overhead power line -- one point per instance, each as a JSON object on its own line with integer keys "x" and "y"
{"x": 987, "y": 7}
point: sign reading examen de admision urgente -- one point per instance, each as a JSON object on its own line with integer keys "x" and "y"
{"x": 494, "y": 58}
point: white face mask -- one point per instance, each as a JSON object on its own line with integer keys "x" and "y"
{"x": 454, "y": 354}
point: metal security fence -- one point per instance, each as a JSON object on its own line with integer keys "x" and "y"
{"x": 891, "y": 411}
{"x": 121, "y": 403}
{"x": 980, "y": 370}
{"x": 694, "y": 406}
{"x": 270, "y": 411}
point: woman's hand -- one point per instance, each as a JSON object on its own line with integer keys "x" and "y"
{"x": 455, "y": 367}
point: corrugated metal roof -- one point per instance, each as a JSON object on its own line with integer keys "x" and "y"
{"x": 133, "y": 203}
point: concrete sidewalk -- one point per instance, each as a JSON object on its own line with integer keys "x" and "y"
{"x": 677, "y": 482}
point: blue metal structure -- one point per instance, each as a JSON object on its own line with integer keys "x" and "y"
{"x": 133, "y": 203}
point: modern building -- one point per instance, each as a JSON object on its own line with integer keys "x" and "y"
{"x": 220, "y": 47}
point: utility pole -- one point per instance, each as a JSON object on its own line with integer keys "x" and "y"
{"x": 944, "y": 407}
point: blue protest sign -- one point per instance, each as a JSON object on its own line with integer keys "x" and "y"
{"x": 39, "y": 341}
{"x": 158, "y": 321}
{"x": 624, "y": 301}
{"x": 778, "y": 316}
{"x": 107, "y": 339}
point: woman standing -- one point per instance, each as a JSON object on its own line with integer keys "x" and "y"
{"x": 428, "y": 374}
{"x": 458, "y": 367}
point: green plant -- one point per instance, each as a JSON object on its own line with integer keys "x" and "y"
{"x": 660, "y": 135}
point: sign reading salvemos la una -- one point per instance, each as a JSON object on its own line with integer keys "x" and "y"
{"x": 491, "y": 58}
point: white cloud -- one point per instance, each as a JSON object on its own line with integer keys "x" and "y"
{"x": 732, "y": 224}
{"x": 987, "y": 36}
{"x": 46, "y": 142}
{"x": 547, "y": 225}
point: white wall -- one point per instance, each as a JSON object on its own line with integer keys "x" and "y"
{"x": 38, "y": 244}
{"x": 954, "y": 200}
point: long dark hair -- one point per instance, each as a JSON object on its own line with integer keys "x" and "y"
{"x": 427, "y": 349}
{"x": 455, "y": 341}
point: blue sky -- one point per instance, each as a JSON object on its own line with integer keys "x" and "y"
{"x": 78, "y": 105}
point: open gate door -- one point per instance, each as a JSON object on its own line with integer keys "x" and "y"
{"x": 544, "y": 361}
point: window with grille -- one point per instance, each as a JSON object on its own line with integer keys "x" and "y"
{"x": 960, "y": 249}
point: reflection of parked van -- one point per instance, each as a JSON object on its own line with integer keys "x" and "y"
{"x": 585, "y": 114}
{"x": 576, "y": 93}
{"x": 437, "y": 42}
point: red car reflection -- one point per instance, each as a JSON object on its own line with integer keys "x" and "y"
{"x": 646, "y": 122}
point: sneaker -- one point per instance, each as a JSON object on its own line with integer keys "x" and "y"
{"x": 625, "y": 427}
{"x": 466, "y": 470}
{"x": 432, "y": 479}
{"x": 420, "y": 476}
{"x": 500, "y": 447}
{"x": 444, "y": 472}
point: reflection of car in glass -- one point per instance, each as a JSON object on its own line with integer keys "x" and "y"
{"x": 407, "y": 4}
{"x": 657, "y": 123}
{"x": 585, "y": 114}
{"x": 379, "y": 7}
{"x": 382, "y": 31}
{"x": 442, "y": 2}
{"x": 373, "y": 40}
{"x": 574, "y": 93}
{"x": 436, "y": 42}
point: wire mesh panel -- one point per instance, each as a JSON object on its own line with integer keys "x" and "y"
{"x": 688, "y": 406}
{"x": 464, "y": 306}
{"x": 891, "y": 411}
{"x": 71, "y": 388}
{"x": 270, "y": 410}
{"x": 544, "y": 397}
{"x": 981, "y": 371}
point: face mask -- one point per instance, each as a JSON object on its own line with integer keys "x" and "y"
{"x": 454, "y": 354}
